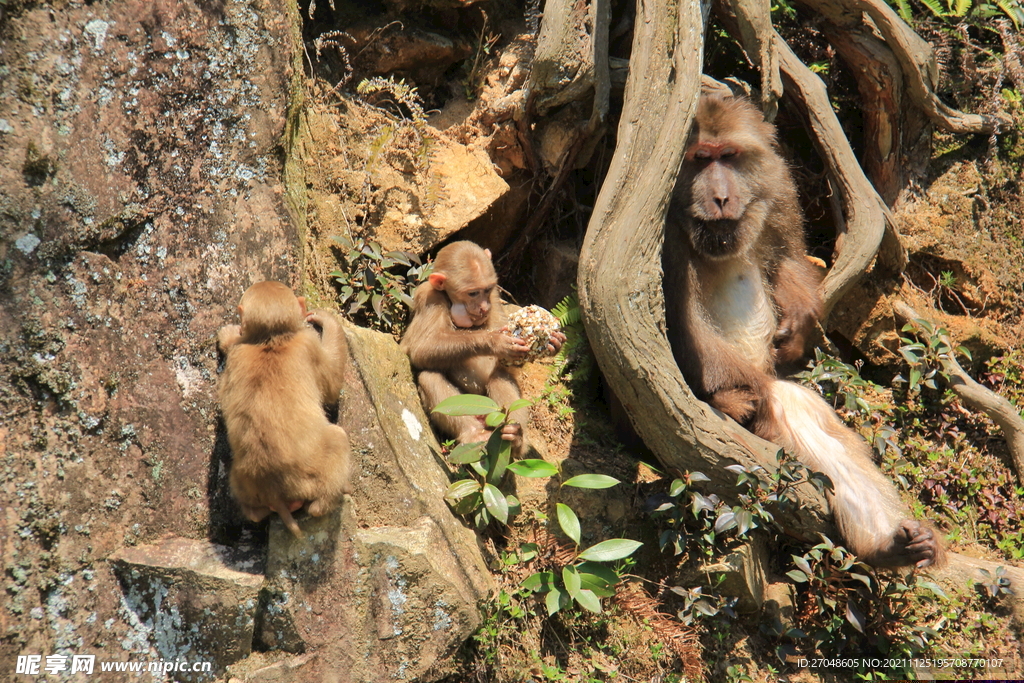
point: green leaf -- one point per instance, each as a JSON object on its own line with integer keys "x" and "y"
{"x": 501, "y": 450}
{"x": 467, "y": 505}
{"x": 533, "y": 468}
{"x": 802, "y": 565}
{"x": 571, "y": 579}
{"x": 598, "y": 578}
{"x": 465, "y": 453}
{"x": 588, "y": 600}
{"x": 798, "y": 576}
{"x": 855, "y": 616}
{"x": 461, "y": 489}
{"x": 569, "y": 522}
{"x": 516, "y": 405}
{"x": 591, "y": 481}
{"x": 496, "y": 503}
{"x": 541, "y": 582}
{"x": 915, "y": 377}
{"x": 612, "y": 549}
{"x": 528, "y": 551}
{"x": 935, "y": 588}
{"x": 555, "y": 600}
{"x": 494, "y": 419}
{"x": 466, "y": 404}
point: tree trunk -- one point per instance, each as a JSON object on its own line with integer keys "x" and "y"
{"x": 620, "y": 275}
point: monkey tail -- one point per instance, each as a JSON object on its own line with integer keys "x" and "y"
{"x": 865, "y": 503}
{"x": 289, "y": 521}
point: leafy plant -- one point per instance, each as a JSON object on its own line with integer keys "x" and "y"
{"x": 588, "y": 578}
{"x": 478, "y": 495}
{"x": 931, "y": 354}
{"x": 574, "y": 364}
{"x": 484, "y": 44}
{"x": 697, "y": 603}
{"x": 844, "y": 386}
{"x": 415, "y": 121}
{"x": 847, "y": 607}
{"x": 373, "y": 285}
{"x": 484, "y": 464}
{"x": 705, "y": 519}
{"x": 961, "y": 10}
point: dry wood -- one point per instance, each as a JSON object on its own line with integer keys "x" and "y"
{"x": 865, "y": 213}
{"x": 915, "y": 57}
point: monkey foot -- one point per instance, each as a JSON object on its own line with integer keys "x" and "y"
{"x": 914, "y": 543}
{"x": 475, "y": 435}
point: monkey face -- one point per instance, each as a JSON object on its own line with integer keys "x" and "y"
{"x": 472, "y": 308}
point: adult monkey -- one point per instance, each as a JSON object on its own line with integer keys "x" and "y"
{"x": 456, "y": 340}
{"x": 742, "y": 299}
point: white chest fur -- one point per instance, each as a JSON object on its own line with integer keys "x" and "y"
{"x": 738, "y": 304}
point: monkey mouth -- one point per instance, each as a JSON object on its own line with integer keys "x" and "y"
{"x": 715, "y": 239}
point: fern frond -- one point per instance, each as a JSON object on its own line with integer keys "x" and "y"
{"x": 568, "y": 311}
{"x": 936, "y": 8}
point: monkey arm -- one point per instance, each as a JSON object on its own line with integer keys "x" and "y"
{"x": 795, "y": 288}
{"x": 228, "y": 336}
{"x": 331, "y": 367}
{"x": 433, "y": 343}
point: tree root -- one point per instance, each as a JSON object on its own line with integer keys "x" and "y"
{"x": 980, "y": 398}
{"x": 916, "y": 59}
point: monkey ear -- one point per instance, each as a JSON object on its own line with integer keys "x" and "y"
{"x": 302, "y": 304}
{"x": 437, "y": 280}
{"x": 488, "y": 252}
{"x": 239, "y": 310}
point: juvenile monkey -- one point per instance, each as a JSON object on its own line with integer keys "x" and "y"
{"x": 278, "y": 375}
{"x": 455, "y": 340}
{"x": 742, "y": 299}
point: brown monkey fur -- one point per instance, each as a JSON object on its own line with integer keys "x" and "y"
{"x": 742, "y": 299}
{"x": 456, "y": 338}
{"x": 278, "y": 375}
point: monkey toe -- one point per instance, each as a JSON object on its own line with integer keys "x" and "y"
{"x": 915, "y": 543}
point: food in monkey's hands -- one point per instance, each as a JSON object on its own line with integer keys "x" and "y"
{"x": 534, "y": 325}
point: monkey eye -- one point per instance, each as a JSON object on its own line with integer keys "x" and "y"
{"x": 729, "y": 153}
{"x": 701, "y": 153}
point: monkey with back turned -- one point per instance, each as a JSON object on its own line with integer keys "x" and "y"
{"x": 278, "y": 375}
{"x": 742, "y": 299}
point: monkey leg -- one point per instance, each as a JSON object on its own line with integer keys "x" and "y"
{"x": 335, "y": 483}
{"x": 434, "y": 388}
{"x": 866, "y": 505}
{"x": 504, "y": 390}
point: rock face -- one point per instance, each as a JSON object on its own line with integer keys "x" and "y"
{"x": 192, "y": 600}
{"x": 388, "y": 585}
{"x": 140, "y": 167}
{"x": 143, "y": 151}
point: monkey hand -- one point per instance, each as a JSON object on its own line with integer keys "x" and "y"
{"x": 791, "y": 337}
{"x": 228, "y": 336}
{"x": 739, "y": 403}
{"x": 509, "y": 348}
{"x": 321, "y": 320}
{"x": 555, "y": 342}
